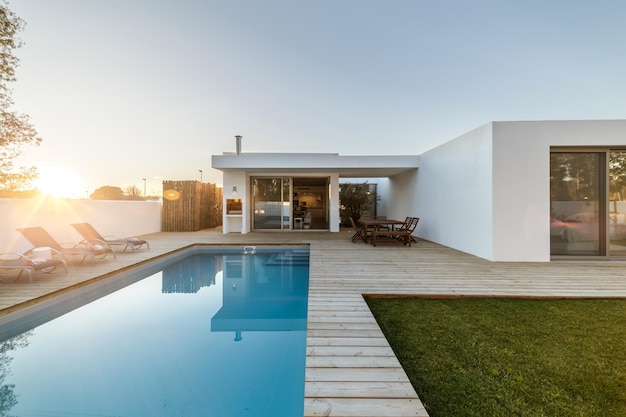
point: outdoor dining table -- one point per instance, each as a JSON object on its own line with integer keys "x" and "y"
{"x": 378, "y": 222}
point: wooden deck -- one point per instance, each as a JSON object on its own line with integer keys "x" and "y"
{"x": 351, "y": 370}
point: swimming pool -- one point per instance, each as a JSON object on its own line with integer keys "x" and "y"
{"x": 213, "y": 332}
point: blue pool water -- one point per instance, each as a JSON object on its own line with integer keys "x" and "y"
{"x": 209, "y": 335}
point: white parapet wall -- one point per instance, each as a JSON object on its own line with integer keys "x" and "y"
{"x": 118, "y": 218}
{"x": 452, "y": 194}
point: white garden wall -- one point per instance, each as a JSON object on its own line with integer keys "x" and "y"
{"x": 120, "y": 218}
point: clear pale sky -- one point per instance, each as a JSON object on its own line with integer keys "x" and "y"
{"x": 122, "y": 90}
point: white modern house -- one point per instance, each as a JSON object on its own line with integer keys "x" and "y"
{"x": 506, "y": 191}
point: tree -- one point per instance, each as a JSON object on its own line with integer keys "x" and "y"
{"x": 355, "y": 200}
{"x": 107, "y": 193}
{"x": 15, "y": 128}
{"x": 8, "y": 398}
{"x": 573, "y": 176}
{"x": 134, "y": 193}
{"x": 617, "y": 175}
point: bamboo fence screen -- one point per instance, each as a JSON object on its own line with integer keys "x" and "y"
{"x": 189, "y": 206}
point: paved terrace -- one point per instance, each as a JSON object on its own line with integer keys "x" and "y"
{"x": 351, "y": 370}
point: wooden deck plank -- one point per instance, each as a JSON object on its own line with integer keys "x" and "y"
{"x": 366, "y": 351}
{"x": 347, "y": 341}
{"x": 317, "y": 325}
{"x": 313, "y": 333}
{"x": 346, "y": 362}
{"x": 363, "y": 407}
{"x": 359, "y": 389}
{"x": 357, "y": 374}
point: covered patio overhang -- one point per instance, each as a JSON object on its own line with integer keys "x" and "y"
{"x": 238, "y": 169}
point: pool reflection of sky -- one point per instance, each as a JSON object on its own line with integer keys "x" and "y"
{"x": 141, "y": 352}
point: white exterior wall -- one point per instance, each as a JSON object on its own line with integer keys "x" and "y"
{"x": 522, "y": 179}
{"x": 384, "y": 205}
{"x": 235, "y": 223}
{"x": 402, "y": 197}
{"x": 119, "y": 218}
{"x": 333, "y": 203}
{"x": 452, "y": 194}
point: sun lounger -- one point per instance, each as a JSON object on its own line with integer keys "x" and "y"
{"x": 40, "y": 238}
{"x": 92, "y": 236}
{"x": 22, "y": 263}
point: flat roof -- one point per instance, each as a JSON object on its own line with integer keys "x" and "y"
{"x": 346, "y": 165}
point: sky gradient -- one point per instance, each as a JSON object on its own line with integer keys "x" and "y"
{"x": 122, "y": 90}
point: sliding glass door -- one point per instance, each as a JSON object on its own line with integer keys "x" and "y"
{"x": 577, "y": 203}
{"x": 617, "y": 203}
{"x": 271, "y": 203}
{"x": 588, "y": 203}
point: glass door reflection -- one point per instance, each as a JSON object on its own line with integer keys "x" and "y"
{"x": 617, "y": 203}
{"x": 577, "y": 203}
{"x": 271, "y": 205}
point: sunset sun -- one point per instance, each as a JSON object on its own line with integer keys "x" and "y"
{"x": 59, "y": 182}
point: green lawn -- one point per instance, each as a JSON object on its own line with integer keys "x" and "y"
{"x": 505, "y": 357}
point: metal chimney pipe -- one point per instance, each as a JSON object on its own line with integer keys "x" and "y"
{"x": 238, "y": 145}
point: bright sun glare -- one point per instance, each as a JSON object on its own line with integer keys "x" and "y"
{"x": 59, "y": 182}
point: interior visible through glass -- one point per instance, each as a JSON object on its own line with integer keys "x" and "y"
{"x": 588, "y": 202}
{"x": 211, "y": 335}
{"x": 271, "y": 203}
{"x": 576, "y": 203}
{"x": 290, "y": 203}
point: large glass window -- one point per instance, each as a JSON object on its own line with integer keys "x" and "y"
{"x": 271, "y": 205}
{"x": 288, "y": 203}
{"x": 578, "y": 203}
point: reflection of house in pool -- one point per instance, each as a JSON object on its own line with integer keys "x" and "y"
{"x": 191, "y": 274}
{"x": 263, "y": 293}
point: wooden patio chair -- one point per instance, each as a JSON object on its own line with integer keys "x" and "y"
{"x": 369, "y": 228}
{"x": 359, "y": 232}
{"x": 410, "y": 223}
{"x": 381, "y": 227}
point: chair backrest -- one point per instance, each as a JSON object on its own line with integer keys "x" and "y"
{"x": 352, "y": 223}
{"x": 413, "y": 224}
{"x": 407, "y": 223}
{"x": 381, "y": 217}
{"x": 39, "y": 237}
{"x": 367, "y": 217}
{"x": 87, "y": 231}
